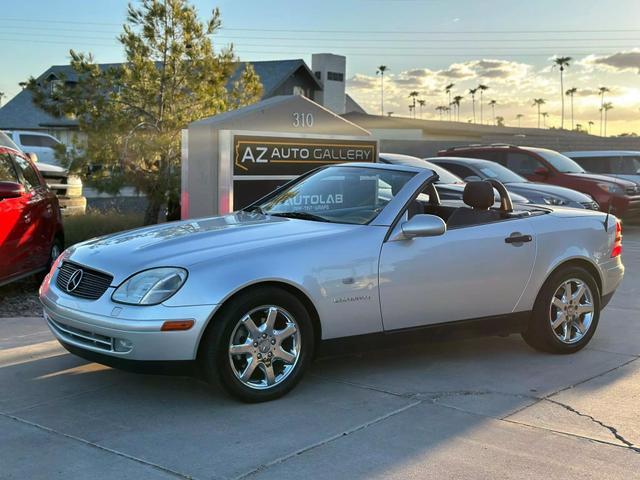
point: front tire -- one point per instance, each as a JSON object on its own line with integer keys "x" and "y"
{"x": 566, "y": 312}
{"x": 259, "y": 345}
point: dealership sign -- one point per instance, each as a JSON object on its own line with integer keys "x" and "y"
{"x": 263, "y": 155}
{"x": 232, "y": 159}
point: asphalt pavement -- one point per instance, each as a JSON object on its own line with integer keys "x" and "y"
{"x": 476, "y": 408}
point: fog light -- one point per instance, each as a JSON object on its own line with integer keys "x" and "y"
{"x": 122, "y": 345}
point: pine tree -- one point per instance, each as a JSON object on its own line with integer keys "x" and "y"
{"x": 131, "y": 115}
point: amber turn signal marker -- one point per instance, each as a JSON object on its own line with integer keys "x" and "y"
{"x": 175, "y": 325}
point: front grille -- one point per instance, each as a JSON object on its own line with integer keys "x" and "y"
{"x": 91, "y": 286}
{"x": 82, "y": 336}
{"x": 590, "y": 205}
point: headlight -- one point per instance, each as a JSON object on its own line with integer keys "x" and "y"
{"x": 150, "y": 287}
{"x": 611, "y": 188}
{"x": 549, "y": 200}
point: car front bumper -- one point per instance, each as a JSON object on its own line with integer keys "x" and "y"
{"x": 121, "y": 331}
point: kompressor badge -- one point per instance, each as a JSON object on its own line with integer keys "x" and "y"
{"x": 254, "y": 155}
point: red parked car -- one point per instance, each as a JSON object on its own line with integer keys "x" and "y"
{"x": 31, "y": 234}
{"x": 548, "y": 166}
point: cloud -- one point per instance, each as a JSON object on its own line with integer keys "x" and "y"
{"x": 617, "y": 62}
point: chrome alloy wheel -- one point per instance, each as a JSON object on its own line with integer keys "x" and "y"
{"x": 571, "y": 311}
{"x": 264, "y": 347}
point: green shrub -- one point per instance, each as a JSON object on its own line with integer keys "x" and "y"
{"x": 78, "y": 228}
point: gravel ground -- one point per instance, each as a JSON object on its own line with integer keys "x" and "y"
{"x": 20, "y": 299}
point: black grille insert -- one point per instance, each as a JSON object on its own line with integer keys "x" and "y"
{"x": 92, "y": 284}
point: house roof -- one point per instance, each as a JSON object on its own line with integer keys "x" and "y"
{"x": 21, "y": 113}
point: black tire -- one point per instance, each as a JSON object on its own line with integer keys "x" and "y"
{"x": 539, "y": 333}
{"x": 214, "y": 359}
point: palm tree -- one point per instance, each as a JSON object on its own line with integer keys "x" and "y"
{"x": 380, "y": 71}
{"x": 411, "y": 109}
{"x": 519, "y": 117}
{"x": 492, "y": 103}
{"x": 440, "y": 109}
{"x": 447, "y": 90}
{"x": 482, "y": 88}
{"x": 422, "y": 104}
{"x": 606, "y": 107}
{"x": 602, "y": 91}
{"x": 538, "y": 102}
{"x": 500, "y": 121}
{"x": 414, "y": 95}
{"x": 570, "y": 93}
{"x": 456, "y": 102}
{"x": 473, "y": 91}
{"x": 590, "y": 125}
{"x": 544, "y": 118}
{"x": 562, "y": 63}
{"x": 447, "y": 109}
{"x": 578, "y": 127}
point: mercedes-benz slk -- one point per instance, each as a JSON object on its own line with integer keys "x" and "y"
{"x": 343, "y": 252}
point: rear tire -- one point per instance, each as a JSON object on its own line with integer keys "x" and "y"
{"x": 259, "y": 345}
{"x": 566, "y": 312}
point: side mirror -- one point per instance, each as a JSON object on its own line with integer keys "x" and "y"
{"x": 11, "y": 190}
{"x": 423, "y": 226}
{"x": 472, "y": 178}
{"x": 542, "y": 171}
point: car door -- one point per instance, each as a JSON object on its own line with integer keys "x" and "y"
{"x": 38, "y": 214}
{"x": 469, "y": 272}
{"x": 13, "y": 228}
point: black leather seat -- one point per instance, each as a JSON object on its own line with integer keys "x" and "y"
{"x": 479, "y": 196}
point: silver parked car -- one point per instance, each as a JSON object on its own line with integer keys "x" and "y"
{"x": 343, "y": 251}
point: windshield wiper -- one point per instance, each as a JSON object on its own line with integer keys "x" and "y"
{"x": 300, "y": 215}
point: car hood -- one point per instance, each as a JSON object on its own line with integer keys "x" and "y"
{"x": 543, "y": 188}
{"x": 602, "y": 178}
{"x": 47, "y": 168}
{"x": 189, "y": 242}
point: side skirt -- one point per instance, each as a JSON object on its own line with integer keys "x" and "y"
{"x": 501, "y": 325}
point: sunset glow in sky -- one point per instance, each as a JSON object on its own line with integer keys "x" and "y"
{"x": 426, "y": 44}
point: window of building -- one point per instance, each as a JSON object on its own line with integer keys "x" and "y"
{"x": 335, "y": 76}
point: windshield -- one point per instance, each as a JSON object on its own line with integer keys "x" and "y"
{"x": 338, "y": 194}
{"x": 560, "y": 162}
{"x": 503, "y": 174}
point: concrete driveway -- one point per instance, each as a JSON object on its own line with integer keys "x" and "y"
{"x": 481, "y": 408}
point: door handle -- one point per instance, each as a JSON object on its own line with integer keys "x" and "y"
{"x": 518, "y": 238}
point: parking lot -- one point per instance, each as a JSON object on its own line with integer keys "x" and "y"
{"x": 476, "y": 408}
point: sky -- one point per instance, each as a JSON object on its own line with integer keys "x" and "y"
{"x": 426, "y": 44}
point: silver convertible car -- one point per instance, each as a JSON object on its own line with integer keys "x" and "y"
{"x": 358, "y": 250}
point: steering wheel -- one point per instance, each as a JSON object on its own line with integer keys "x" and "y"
{"x": 506, "y": 205}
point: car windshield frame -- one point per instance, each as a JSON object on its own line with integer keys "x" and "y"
{"x": 560, "y": 162}
{"x": 382, "y": 194}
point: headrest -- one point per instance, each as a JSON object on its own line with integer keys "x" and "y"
{"x": 478, "y": 194}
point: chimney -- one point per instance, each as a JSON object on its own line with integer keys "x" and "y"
{"x": 330, "y": 70}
